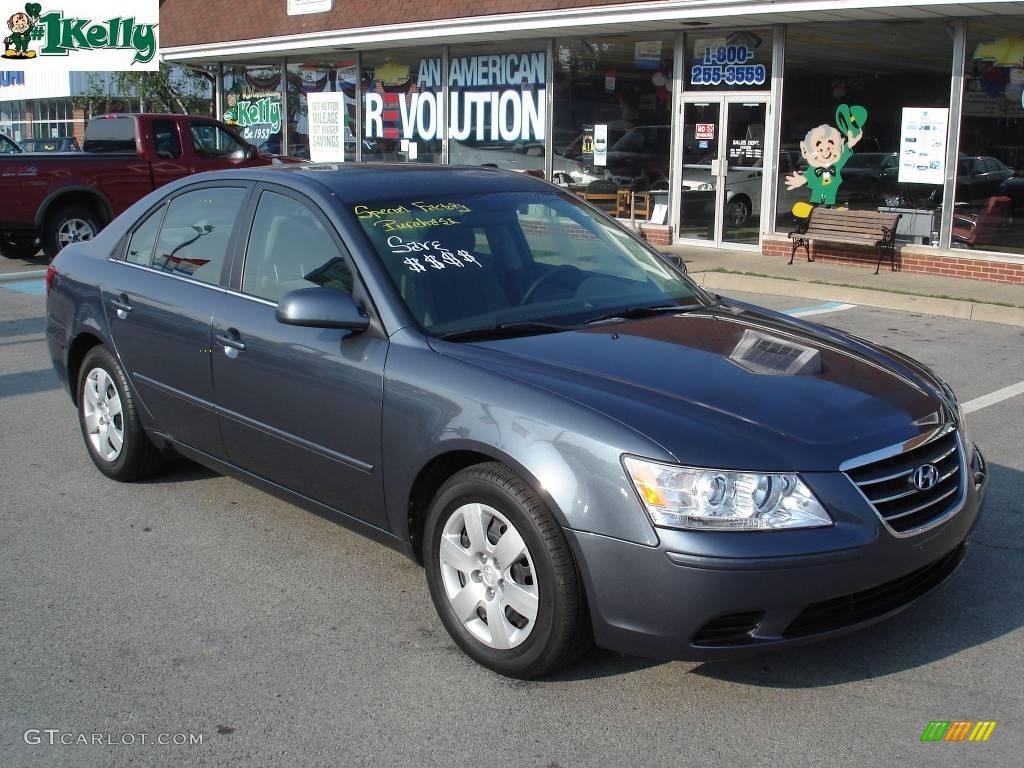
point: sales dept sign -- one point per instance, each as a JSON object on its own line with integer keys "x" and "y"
{"x": 80, "y": 36}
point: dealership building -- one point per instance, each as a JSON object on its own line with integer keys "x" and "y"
{"x": 702, "y": 121}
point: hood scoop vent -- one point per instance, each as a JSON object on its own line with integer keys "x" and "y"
{"x": 759, "y": 352}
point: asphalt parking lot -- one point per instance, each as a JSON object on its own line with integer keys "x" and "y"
{"x": 193, "y": 604}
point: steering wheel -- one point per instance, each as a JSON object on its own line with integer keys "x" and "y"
{"x": 528, "y": 295}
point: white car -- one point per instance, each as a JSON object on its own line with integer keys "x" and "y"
{"x": 521, "y": 158}
{"x": 743, "y": 187}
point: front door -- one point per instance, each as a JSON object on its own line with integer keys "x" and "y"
{"x": 723, "y": 155}
{"x": 300, "y": 407}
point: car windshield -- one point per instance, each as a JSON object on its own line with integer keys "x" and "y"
{"x": 488, "y": 260}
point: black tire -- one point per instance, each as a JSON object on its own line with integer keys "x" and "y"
{"x": 737, "y": 212}
{"x": 55, "y": 220}
{"x": 561, "y": 631}
{"x": 138, "y": 457}
{"x": 12, "y": 248}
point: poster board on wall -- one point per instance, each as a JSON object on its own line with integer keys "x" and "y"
{"x": 923, "y": 145}
{"x": 326, "y": 127}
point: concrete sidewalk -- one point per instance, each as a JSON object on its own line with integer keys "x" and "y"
{"x": 728, "y": 270}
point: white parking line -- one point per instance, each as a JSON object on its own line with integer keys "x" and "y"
{"x": 993, "y": 397}
{"x": 819, "y": 309}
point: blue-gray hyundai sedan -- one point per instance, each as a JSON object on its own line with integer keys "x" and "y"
{"x": 485, "y": 373}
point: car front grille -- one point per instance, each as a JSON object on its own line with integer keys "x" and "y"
{"x": 888, "y": 484}
{"x": 851, "y": 609}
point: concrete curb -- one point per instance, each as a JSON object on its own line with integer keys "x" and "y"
{"x": 962, "y": 310}
{"x": 10, "y": 277}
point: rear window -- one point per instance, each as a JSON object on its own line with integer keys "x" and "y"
{"x": 110, "y": 135}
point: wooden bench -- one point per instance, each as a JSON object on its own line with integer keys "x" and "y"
{"x": 849, "y": 227}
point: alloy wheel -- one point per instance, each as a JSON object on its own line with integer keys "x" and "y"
{"x": 489, "y": 576}
{"x": 104, "y": 417}
{"x": 75, "y": 231}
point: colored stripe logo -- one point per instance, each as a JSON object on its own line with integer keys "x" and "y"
{"x": 958, "y": 730}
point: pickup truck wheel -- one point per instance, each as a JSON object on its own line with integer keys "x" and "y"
{"x": 501, "y": 574}
{"x": 109, "y": 419}
{"x": 74, "y": 224}
{"x": 18, "y": 250}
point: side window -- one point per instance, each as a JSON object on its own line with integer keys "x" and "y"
{"x": 165, "y": 138}
{"x": 212, "y": 141}
{"x": 140, "y": 247}
{"x": 7, "y": 147}
{"x": 196, "y": 231}
{"x": 290, "y": 248}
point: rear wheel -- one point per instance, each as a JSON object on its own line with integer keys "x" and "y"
{"x": 109, "y": 419}
{"x": 502, "y": 576}
{"x": 71, "y": 224}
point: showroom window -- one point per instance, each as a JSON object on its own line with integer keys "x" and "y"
{"x": 864, "y": 118}
{"x": 252, "y": 103}
{"x": 337, "y": 82}
{"x": 402, "y": 105}
{"x": 497, "y": 106}
{"x": 989, "y": 193}
{"x": 613, "y": 113}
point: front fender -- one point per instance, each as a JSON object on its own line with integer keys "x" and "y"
{"x": 570, "y": 454}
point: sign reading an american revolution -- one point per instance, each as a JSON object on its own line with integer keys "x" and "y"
{"x": 79, "y": 36}
{"x": 492, "y": 97}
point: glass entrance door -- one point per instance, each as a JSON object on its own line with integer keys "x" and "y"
{"x": 723, "y": 158}
{"x": 702, "y": 122}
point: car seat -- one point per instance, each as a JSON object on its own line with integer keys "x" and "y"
{"x": 438, "y": 296}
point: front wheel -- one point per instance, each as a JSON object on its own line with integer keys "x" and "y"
{"x": 14, "y": 247}
{"x": 738, "y": 211}
{"x": 502, "y": 576}
{"x": 72, "y": 224}
{"x": 109, "y": 419}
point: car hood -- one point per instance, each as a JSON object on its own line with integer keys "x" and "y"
{"x": 706, "y": 386}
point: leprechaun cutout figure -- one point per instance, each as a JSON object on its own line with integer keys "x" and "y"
{"x": 827, "y": 150}
{"x": 21, "y": 25}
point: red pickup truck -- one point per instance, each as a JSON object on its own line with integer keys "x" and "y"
{"x": 56, "y": 199}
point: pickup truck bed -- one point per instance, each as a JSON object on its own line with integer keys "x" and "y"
{"x": 56, "y": 199}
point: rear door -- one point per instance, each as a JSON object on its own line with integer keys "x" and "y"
{"x": 300, "y": 407}
{"x": 159, "y": 303}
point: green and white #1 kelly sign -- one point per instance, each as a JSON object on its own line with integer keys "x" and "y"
{"x": 80, "y": 35}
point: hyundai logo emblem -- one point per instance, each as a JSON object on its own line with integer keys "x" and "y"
{"x": 925, "y": 477}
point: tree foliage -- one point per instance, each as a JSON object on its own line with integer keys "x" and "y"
{"x": 173, "y": 88}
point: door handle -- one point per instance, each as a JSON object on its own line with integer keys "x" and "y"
{"x": 231, "y": 342}
{"x": 123, "y": 306}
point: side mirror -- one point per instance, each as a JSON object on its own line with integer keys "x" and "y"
{"x": 321, "y": 308}
{"x": 675, "y": 260}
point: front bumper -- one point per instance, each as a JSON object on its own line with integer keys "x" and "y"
{"x": 683, "y": 600}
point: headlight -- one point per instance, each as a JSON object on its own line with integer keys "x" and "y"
{"x": 713, "y": 499}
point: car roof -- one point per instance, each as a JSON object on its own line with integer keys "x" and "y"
{"x": 355, "y": 183}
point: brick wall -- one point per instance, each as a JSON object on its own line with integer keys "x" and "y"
{"x": 195, "y": 22}
{"x": 910, "y": 259}
{"x": 656, "y": 234}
